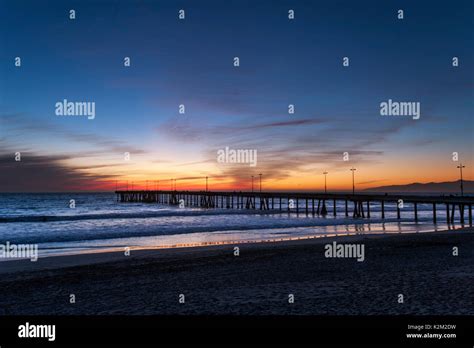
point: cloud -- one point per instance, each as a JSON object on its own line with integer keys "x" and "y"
{"x": 37, "y": 173}
{"x": 282, "y": 164}
{"x": 188, "y": 130}
{"x": 288, "y": 146}
{"x": 19, "y": 125}
{"x": 195, "y": 163}
{"x": 370, "y": 182}
{"x": 268, "y": 125}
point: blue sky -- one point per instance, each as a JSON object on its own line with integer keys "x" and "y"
{"x": 190, "y": 62}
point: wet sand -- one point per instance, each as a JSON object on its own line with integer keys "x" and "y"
{"x": 420, "y": 266}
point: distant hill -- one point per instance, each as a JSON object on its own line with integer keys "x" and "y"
{"x": 431, "y": 187}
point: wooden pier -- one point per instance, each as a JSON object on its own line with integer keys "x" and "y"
{"x": 357, "y": 206}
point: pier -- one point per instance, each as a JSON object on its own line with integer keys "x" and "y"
{"x": 320, "y": 204}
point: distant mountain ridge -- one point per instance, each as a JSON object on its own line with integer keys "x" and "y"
{"x": 439, "y": 187}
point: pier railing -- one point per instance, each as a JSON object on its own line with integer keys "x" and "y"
{"x": 357, "y": 206}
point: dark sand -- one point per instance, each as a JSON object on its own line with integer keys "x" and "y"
{"x": 214, "y": 281}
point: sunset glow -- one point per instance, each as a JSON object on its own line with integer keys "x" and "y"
{"x": 188, "y": 67}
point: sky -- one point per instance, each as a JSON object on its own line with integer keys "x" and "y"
{"x": 191, "y": 62}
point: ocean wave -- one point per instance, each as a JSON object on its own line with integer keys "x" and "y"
{"x": 136, "y": 215}
{"x": 170, "y": 213}
{"x": 131, "y": 231}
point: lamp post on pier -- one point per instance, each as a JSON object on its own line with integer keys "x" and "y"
{"x": 353, "y": 183}
{"x": 325, "y": 182}
{"x": 460, "y": 166}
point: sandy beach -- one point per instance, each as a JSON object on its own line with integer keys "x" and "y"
{"x": 420, "y": 266}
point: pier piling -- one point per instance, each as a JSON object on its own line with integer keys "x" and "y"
{"x": 248, "y": 200}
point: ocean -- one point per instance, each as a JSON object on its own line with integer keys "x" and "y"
{"x": 99, "y": 223}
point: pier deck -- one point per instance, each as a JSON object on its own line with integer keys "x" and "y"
{"x": 313, "y": 203}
